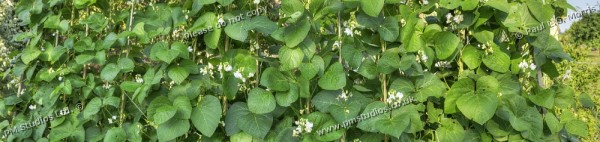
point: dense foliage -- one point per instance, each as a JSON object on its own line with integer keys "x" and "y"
{"x": 282, "y": 70}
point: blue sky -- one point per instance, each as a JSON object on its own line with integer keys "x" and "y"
{"x": 580, "y": 5}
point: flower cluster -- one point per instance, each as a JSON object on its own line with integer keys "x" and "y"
{"x": 394, "y": 97}
{"x": 344, "y": 96}
{"x": 443, "y": 64}
{"x": 487, "y": 47}
{"x": 112, "y": 119}
{"x": 525, "y": 65}
{"x": 421, "y": 57}
{"x": 304, "y": 126}
{"x": 456, "y": 18}
{"x": 138, "y": 78}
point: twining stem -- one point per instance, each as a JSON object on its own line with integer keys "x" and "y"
{"x": 339, "y": 27}
{"x": 129, "y": 27}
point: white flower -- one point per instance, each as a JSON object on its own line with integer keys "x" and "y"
{"x": 399, "y": 95}
{"x": 344, "y": 96}
{"x": 60, "y": 78}
{"x": 114, "y": 117}
{"x": 425, "y": 2}
{"x": 32, "y": 107}
{"x": 458, "y": 18}
{"x": 139, "y": 79}
{"x": 221, "y": 20}
{"x": 228, "y": 67}
{"x": 304, "y": 126}
{"x": 251, "y": 75}
{"x": 256, "y": 1}
{"x": 110, "y": 121}
{"x": 238, "y": 75}
{"x": 348, "y": 32}
{"x": 567, "y": 74}
{"x": 523, "y": 65}
{"x": 190, "y": 49}
{"x": 336, "y": 44}
{"x": 448, "y": 17}
{"x": 424, "y": 58}
{"x": 187, "y": 17}
{"x": 532, "y": 66}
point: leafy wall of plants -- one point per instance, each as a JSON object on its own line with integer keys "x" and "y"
{"x": 221, "y": 69}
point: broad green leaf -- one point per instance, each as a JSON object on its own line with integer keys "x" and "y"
{"x": 274, "y": 80}
{"x": 83, "y": 59}
{"x": 206, "y": 115}
{"x": 164, "y": 113}
{"x": 334, "y": 78}
{"x": 291, "y": 58}
{"x": 445, "y": 44}
{"x": 287, "y": 98}
{"x": 235, "y": 112}
{"x": 92, "y": 107}
{"x": 115, "y": 134}
{"x": 172, "y": 129}
{"x": 261, "y": 101}
{"x": 325, "y": 99}
{"x": 389, "y": 30}
{"x": 184, "y": 107}
{"x": 564, "y": 97}
{"x": 472, "y": 57}
{"x": 296, "y": 32}
{"x": 109, "y": 72}
{"x": 478, "y": 107}
{"x": 458, "y": 89}
{"x": 577, "y": 127}
{"x": 368, "y": 69}
{"x": 372, "y": 7}
{"x": 543, "y": 97}
{"x": 389, "y": 61}
{"x": 552, "y": 123}
{"x": 451, "y": 131}
{"x": 206, "y": 2}
{"x": 451, "y": 4}
{"x": 308, "y": 70}
{"x": 257, "y": 125}
{"x": 497, "y": 61}
{"x": 30, "y": 54}
{"x": 393, "y": 126}
{"x": 126, "y": 64}
{"x": 178, "y": 74}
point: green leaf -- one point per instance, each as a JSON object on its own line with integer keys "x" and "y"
{"x": 564, "y": 97}
{"x": 389, "y": 62}
{"x": 325, "y": 99}
{"x": 274, "y": 80}
{"x": 178, "y": 74}
{"x": 257, "y": 125}
{"x": 445, "y": 44}
{"x": 207, "y": 115}
{"x": 184, "y": 107}
{"x": 92, "y": 107}
{"x": 30, "y": 54}
{"x": 261, "y": 101}
{"x": 287, "y": 98}
{"x": 552, "y": 123}
{"x": 172, "y": 129}
{"x": 372, "y": 7}
{"x": 497, "y": 61}
{"x": 83, "y": 59}
{"x": 451, "y": 4}
{"x": 296, "y": 32}
{"x": 469, "y": 4}
{"x": 52, "y": 22}
{"x": 115, "y": 134}
{"x": 368, "y": 69}
{"x": 472, "y": 57}
{"x": 109, "y": 72}
{"x": 334, "y": 78}
{"x": 586, "y": 100}
{"x": 206, "y": 2}
{"x": 478, "y": 107}
{"x": 164, "y": 113}
{"x": 393, "y": 126}
{"x": 458, "y": 89}
{"x": 126, "y": 64}
{"x": 130, "y": 86}
{"x": 577, "y": 127}
{"x": 308, "y": 70}
{"x": 390, "y": 30}
{"x": 291, "y": 58}
{"x": 451, "y": 131}
{"x": 235, "y": 112}
{"x": 543, "y": 97}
